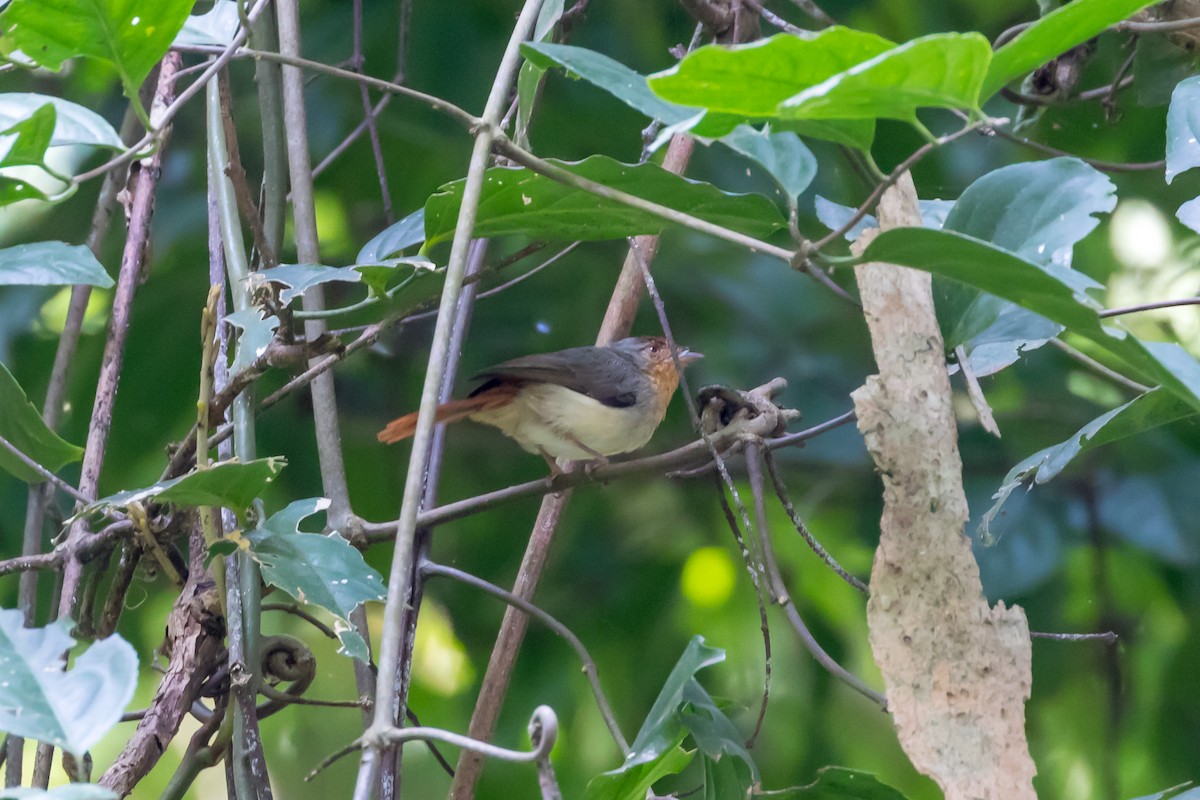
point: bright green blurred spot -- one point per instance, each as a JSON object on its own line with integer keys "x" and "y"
{"x": 708, "y": 577}
{"x": 440, "y": 662}
{"x": 53, "y": 316}
{"x": 332, "y": 228}
{"x": 1089, "y": 387}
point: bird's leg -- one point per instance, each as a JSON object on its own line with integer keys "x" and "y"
{"x": 552, "y": 462}
{"x": 598, "y": 459}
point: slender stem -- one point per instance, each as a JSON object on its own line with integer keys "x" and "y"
{"x": 44, "y": 473}
{"x": 1116, "y": 312}
{"x": 1167, "y": 26}
{"x": 1096, "y": 366}
{"x": 402, "y": 567}
{"x": 430, "y": 568}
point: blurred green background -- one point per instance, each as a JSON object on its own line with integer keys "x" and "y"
{"x": 640, "y": 566}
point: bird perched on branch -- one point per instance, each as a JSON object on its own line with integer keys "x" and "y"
{"x": 584, "y": 403}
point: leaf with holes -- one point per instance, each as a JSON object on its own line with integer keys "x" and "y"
{"x": 22, "y": 425}
{"x": 520, "y": 201}
{"x": 325, "y": 571}
{"x": 72, "y": 708}
{"x": 230, "y": 484}
{"x": 255, "y": 337}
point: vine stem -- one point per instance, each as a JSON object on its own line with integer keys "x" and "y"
{"x": 401, "y": 571}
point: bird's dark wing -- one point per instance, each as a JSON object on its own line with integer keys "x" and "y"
{"x": 602, "y": 373}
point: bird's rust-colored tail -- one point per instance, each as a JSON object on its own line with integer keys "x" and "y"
{"x": 403, "y": 427}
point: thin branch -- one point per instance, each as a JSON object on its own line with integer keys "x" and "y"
{"x": 1168, "y": 26}
{"x": 1108, "y": 637}
{"x": 430, "y": 568}
{"x": 780, "y": 594}
{"x": 1096, "y": 366}
{"x": 44, "y": 473}
{"x": 1103, "y": 166}
{"x": 903, "y": 167}
{"x": 798, "y": 522}
{"x": 400, "y": 575}
{"x": 1116, "y": 312}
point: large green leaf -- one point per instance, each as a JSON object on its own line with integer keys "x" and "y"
{"x": 51, "y": 264}
{"x": 130, "y": 35}
{"x": 1145, "y": 412}
{"x": 1071, "y": 24}
{"x": 393, "y": 240}
{"x": 1037, "y": 210}
{"x": 230, "y": 484}
{"x": 74, "y": 124}
{"x": 22, "y": 425}
{"x": 753, "y": 80}
{"x": 325, "y": 571}
{"x": 1183, "y": 128}
{"x": 519, "y": 201}
{"x": 1055, "y": 292}
{"x": 71, "y": 709}
{"x": 944, "y": 70}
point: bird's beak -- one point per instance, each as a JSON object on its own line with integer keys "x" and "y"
{"x": 687, "y": 356}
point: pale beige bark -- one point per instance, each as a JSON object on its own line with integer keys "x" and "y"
{"x": 957, "y": 671}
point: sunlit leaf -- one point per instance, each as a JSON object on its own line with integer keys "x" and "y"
{"x": 22, "y": 425}
{"x": 943, "y": 70}
{"x": 51, "y": 264}
{"x": 325, "y": 571}
{"x": 72, "y": 708}
{"x": 633, "y": 783}
{"x": 1057, "y": 32}
{"x": 519, "y": 201}
{"x": 130, "y": 35}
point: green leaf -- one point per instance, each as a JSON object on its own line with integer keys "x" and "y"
{"x": 230, "y": 484}
{"x": 1158, "y": 67}
{"x": 217, "y": 26}
{"x": 130, "y": 35}
{"x": 1183, "y": 128}
{"x": 840, "y": 783}
{"x": 74, "y": 124}
{"x": 1145, "y": 412}
{"x": 782, "y": 155}
{"x": 1185, "y": 792}
{"x": 256, "y": 334}
{"x": 753, "y": 80}
{"x": 612, "y": 76}
{"x": 944, "y": 70}
{"x": 519, "y": 201}
{"x": 1057, "y": 293}
{"x": 661, "y": 729}
{"x": 71, "y": 709}
{"x": 394, "y": 239}
{"x": 22, "y": 425}
{"x": 69, "y": 791}
{"x": 726, "y": 778}
{"x": 1037, "y": 210}
{"x": 51, "y": 264}
{"x": 716, "y": 735}
{"x": 635, "y": 782}
{"x": 32, "y": 138}
{"x": 529, "y": 78}
{"x": 325, "y": 571}
{"x": 1056, "y": 33}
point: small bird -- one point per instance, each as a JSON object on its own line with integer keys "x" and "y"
{"x": 583, "y": 403}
